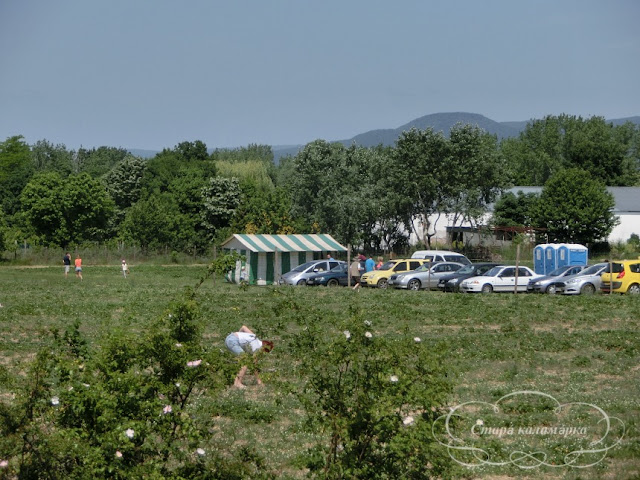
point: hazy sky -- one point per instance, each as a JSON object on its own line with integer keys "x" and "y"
{"x": 152, "y": 73}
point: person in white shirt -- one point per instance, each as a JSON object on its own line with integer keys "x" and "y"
{"x": 245, "y": 341}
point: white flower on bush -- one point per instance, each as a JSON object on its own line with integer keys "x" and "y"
{"x": 55, "y": 401}
{"x": 194, "y": 363}
{"x": 129, "y": 432}
{"x": 4, "y": 463}
{"x": 200, "y": 451}
{"x": 368, "y": 334}
{"x": 367, "y": 323}
{"x": 167, "y": 409}
{"x": 347, "y": 334}
{"x": 393, "y": 378}
{"x": 408, "y": 420}
{"x": 178, "y": 345}
{"x": 177, "y": 384}
{"x": 417, "y": 339}
{"x": 86, "y": 385}
{"x": 118, "y": 454}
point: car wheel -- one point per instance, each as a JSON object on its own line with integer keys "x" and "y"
{"x": 588, "y": 289}
{"x": 301, "y": 282}
{"x": 383, "y": 283}
{"x": 332, "y": 283}
{"x": 551, "y": 290}
{"x": 487, "y": 288}
{"x": 414, "y": 284}
{"x": 634, "y": 289}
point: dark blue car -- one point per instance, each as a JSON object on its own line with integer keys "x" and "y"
{"x": 331, "y": 278}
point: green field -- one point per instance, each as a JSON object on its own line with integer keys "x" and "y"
{"x": 576, "y": 349}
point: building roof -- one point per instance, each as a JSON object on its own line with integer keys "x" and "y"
{"x": 285, "y": 243}
{"x": 627, "y": 199}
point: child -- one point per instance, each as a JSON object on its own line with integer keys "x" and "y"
{"x": 125, "y": 268}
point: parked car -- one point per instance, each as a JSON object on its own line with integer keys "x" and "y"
{"x": 299, "y": 275}
{"x": 338, "y": 275}
{"x": 380, "y": 278}
{"x": 499, "y": 279}
{"x": 585, "y": 282}
{"x": 426, "y": 276}
{"x": 547, "y": 283}
{"x": 451, "y": 283}
{"x": 624, "y": 277}
{"x": 441, "y": 256}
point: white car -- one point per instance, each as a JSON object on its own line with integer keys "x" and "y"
{"x": 499, "y": 279}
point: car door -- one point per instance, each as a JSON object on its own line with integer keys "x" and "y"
{"x": 506, "y": 280}
{"x": 524, "y": 275}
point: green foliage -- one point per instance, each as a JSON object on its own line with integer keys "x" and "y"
{"x": 221, "y": 197}
{"x": 609, "y": 153}
{"x": 65, "y": 212}
{"x": 16, "y": 169}
{"x": 575, "y": 208}
{"x": 515, "y": 210}
{"x": 98, "y": 161}
{"x": 123, "y": 410}
{"x": 52, "y": 158}
{"x": 376, "y": 399}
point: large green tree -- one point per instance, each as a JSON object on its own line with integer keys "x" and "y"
{"x": 513, "y": 210}
{"x": 48, "y": 157}
{"x": 66, "y": 212}
{"x": 575, "y": 208}
{"x": 16, "y": 168}
{"x": 608, "y": 152}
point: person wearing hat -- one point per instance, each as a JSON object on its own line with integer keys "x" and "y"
{"x": 125, "y": 268}
{"x": 245, "y": 341}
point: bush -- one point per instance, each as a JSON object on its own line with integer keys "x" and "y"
{"x": 376, "y": 400}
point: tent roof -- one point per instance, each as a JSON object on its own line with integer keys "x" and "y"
{"x": 286, "y": 243}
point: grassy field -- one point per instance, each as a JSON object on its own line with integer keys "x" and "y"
{"x": 576, "y": 349}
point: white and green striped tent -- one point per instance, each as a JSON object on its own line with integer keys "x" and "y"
{"x": 269, "y": 256}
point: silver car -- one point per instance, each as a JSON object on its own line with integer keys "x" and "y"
{"x": 547, "y": 283}
{"x": 586, "y": 282}
{"x": 425, "y": 276}
{"x": 299, "y": 275}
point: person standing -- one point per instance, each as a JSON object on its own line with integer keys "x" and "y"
{"x": 245, "y": 341}
{"x": 380, "y": 263}
{"x": 125, "y": 268}
{"x": 66, "y": 261}
{"x": 355, "y": 272}
{"x": 369, "y": 264}
{"x": 78, "y": 264}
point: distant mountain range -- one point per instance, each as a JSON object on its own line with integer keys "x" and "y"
{"x": 438, "y": 121}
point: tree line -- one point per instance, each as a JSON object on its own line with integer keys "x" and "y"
{"x": 187, "y": 199}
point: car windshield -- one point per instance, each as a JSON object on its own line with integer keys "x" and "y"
{"x": 303, "y": 267}
{"x": 466, "y": 269}
{"x": 493, "y": 272}
{"x": 387, "y": 266}
{"x": 424, "y": 267}
{"x": 592, "y": 270}
{"x": 559, "y": 271}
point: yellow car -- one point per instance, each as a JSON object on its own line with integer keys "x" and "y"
{"x": 380, "y": 278}
{"x": 624, "y": 279}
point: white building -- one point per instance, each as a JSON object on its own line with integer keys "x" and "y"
{"x": 627, "y": 209}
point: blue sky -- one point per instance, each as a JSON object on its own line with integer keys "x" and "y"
{"x": 152, "y": 73}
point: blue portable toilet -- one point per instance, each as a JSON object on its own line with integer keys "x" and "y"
{"x": 572, "y": 254}
{"x": 550, "y": 258}
{"x": 538, "y": 259}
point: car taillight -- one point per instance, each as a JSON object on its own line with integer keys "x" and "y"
{"x": 621, "y": 274}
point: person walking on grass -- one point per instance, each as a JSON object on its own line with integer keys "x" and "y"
{"x": 66, "y": 261}
{"x": 78, "y": 264}
{"x": 125, "y": 268}
{"x": 243, "y": 342}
